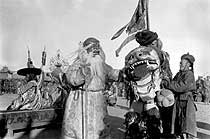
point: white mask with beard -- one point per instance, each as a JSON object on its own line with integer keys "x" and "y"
{"x": 97, "y": 69}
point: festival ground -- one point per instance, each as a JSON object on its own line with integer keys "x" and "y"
{"x": 116, "y": 119}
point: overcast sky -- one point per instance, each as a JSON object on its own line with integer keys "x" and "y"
{"x": 183, "y": 26}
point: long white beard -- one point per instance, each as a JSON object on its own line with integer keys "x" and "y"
{"x": 97, "y": 72}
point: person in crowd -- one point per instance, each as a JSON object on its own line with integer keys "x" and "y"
{"x": 206, "y": 84}
{"x": 182, "y": 85}
{"x": 29, "y": 95}
{"x": 34, "y": 94}
{"x": 198, "y": 95}
{"x": 86, "y": 105}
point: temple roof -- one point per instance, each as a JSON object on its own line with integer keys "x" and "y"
{"x": 5, "y": 69}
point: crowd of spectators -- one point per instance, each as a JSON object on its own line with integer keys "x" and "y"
{"x": 202, "y": 92}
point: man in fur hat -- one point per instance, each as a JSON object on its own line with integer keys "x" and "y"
{"x": 182, "y": 85}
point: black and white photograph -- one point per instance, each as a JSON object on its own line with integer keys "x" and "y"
{"x": 104, "y": 69}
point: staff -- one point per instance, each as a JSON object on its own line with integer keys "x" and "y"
{"x": 82, "y": 115}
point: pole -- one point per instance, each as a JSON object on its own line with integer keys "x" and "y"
{"x": 82, "y": 93}
{"x": 44, "y": 55}
{"x": 147, "y": 15}
{"x": 29, "y": 62}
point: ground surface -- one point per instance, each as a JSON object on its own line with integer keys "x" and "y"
{"x": 115, "y": 118}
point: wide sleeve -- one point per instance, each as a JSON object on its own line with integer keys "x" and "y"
{"x": 74, "y": 75}
{"x": 183, "y": 83}
{"x": 27, "y": 87}
{"x": 112, "y": 74}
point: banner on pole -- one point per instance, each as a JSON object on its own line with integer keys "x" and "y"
{"x": 137, "y": 21}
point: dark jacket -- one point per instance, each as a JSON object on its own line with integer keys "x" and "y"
{"x": 182, "y": 85}
{"x": 183, "y": 82}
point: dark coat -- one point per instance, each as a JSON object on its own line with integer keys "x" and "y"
{"x": 182, "y": 85}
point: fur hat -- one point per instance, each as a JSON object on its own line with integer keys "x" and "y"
{"x": 146, "y": 37}
{"x": 165, "y": 98}
{"x": 189, "y": 57}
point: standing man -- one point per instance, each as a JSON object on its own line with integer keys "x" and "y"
{"x": 183, "y": 84}
{"x": 86, "y": 106}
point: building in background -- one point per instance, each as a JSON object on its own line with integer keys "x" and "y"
{"x": 9, "y": 81}
{"x": 5, "y": 73}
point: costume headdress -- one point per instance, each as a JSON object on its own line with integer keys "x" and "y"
{"x": 90, "y": 40}
{"x": 146, "y": 37}
{"x": 77, "y": 55}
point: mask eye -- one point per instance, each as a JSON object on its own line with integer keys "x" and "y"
{"x": 92, "y": 47}
{"x": 131, "y": 57}
{"x": 89, "y": 49}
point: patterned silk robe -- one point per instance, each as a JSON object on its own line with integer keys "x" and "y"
{"x": 86, "y": 106}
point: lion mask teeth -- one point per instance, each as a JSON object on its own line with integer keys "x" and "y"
{"x": 148, "y": 62}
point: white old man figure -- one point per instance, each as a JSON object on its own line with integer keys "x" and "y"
{"x": 86, "y": 107}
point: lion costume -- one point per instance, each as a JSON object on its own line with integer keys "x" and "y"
{"x": 145, "y": 68}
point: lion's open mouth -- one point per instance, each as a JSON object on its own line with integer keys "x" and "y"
{"x": 141, "y": 68}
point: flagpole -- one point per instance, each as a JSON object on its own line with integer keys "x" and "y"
{"x": 83, "y": 126}
{"x": 147, "y": 15}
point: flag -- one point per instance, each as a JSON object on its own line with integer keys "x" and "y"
{"x": 119, "y": 32}
{"x": 137, "y": 21}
